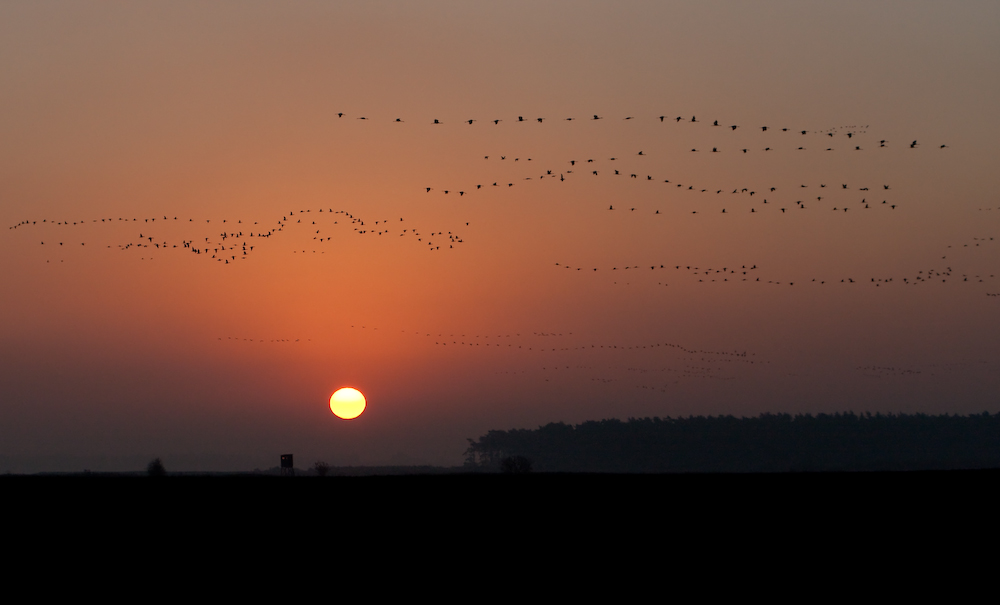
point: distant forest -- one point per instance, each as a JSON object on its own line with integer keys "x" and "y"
{"x": 766, "y": 443}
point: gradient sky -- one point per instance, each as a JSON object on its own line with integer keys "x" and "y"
{"x": 209, "y": 112}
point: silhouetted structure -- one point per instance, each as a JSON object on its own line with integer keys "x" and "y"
{"x": 767, "y": 443}
{"x": 287, "y": 466}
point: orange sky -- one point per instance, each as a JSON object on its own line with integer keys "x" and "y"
{"x": 113, "y": 354}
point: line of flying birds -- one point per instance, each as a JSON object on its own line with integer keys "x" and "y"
{"x": 850, "y": 130}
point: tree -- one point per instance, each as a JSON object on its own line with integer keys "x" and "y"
{"x": 322, "y": 468}
{"x": 515, "y": 465}
{"x": 156, "y": 468}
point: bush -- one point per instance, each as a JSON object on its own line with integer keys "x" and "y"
{"x": 156, "y": 468}
{"x": 515, "y": 465}
{"x": 322, "y": 468}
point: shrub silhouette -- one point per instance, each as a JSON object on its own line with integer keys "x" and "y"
{"x": 321, "y": 468}
{"x": 156, "y": 468}
{"x": 515, "y": 465}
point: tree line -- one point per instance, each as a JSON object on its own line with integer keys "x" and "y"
{"x": 765, "y": 443}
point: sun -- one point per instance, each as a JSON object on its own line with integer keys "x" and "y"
{"x": 347, "y": 403}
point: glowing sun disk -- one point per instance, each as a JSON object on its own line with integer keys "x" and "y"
{"x": 347, "y": 403}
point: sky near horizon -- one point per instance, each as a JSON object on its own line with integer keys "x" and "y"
{"x": 556, "y": 295}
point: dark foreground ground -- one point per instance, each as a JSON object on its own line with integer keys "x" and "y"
{"x": 341, "y": 501}
{"x": 496, "y": 525}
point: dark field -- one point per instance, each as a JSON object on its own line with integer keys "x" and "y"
{"x": 482, "y": 523}
{"x": 454, "y": 495}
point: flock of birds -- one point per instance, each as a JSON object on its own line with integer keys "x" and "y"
{"x": 930, "y": 369}
{"x": 239, "y": 340}
{"x": 686, "y": 362}
{"x": 518, "y": 341}
{"x": 849, "y": 131}
{"x": 594, "y": 167}
{"x": 745, "y": 194}
{"x": 232, "y": 243}
{"x": 311, "y": 230}
{"x": 744, "y": 273}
